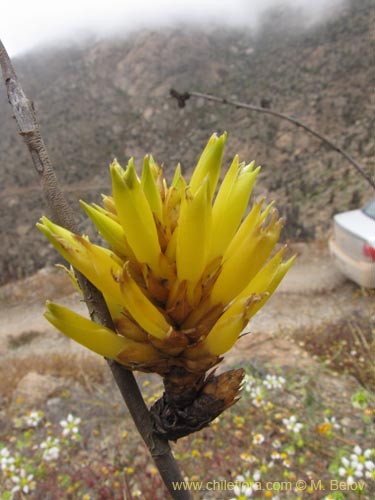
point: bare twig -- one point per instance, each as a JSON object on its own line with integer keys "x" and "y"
{"x": 62, "y": 214}
{"x": 183, "y": 97}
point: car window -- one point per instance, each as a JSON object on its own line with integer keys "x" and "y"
{"x": 370, "y": 209}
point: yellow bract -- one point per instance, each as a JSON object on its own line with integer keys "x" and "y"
{"x": 135, "y": 215}
{"x": 185, "y": 269}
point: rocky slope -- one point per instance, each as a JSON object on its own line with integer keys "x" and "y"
{"x": 110, "y": 99}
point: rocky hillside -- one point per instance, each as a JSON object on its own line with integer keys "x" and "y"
{"x": 110, "y": 98}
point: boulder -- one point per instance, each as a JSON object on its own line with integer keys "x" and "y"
{"x": 34, "y": 389}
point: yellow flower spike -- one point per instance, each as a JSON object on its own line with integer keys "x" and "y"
{"x": 135, "y": 215}
{"x": 193, "y": 236}
{"x": 181, "y": 279}
{"x": 98, "y": 338}
{"x": 209, "y": 165}
{"x": 245, "y": 262}
{"x": 266, "y": 274}
{"x": 253, "y": 219}
{"x": 227, "y": 328}
{"x": 230, "y": 205}
{"x": 274, "y": 283}
{"x": 92, "y": 261}
{"x": 151, "y": 190}
{"x": 110, "y": 230}
{"x": 142, "y": 310}
{"x": 84, "y": 331}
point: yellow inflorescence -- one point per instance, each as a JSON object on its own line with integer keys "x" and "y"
{"x": 184, "y": 271}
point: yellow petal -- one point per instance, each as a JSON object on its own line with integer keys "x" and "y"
{"x": 230, "y": 205}
{"x": 261, "y": 281}
{"x": 174, "y": 195}
{"x": 246, "y": 261}
{"x": 135, "y": 215}
{"x": 151, "y": 189}
{"x": 253, "y": 219}
{"x": 94, "y": 262}
{"x": 110, "y": 230}
{"x": 142, "y": 310}
{"x": 229, "y": 326}
{"x": 194, "y": 233}
{"x": 227, "y": 329}
{"x": 274, "y": 283}
{"x": 109, "y": 204}
{"x": 209, "y": 165}
{"x": 84, "y": 331}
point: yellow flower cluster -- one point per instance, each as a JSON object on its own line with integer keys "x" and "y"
{"x": 185, "y": 270}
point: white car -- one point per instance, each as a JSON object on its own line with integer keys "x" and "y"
{"x": 353, "y": 244}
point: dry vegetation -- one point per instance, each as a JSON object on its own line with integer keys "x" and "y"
{"x": 86, "y": 370}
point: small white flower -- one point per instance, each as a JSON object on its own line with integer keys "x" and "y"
{"x": 6, "y": 461}
{"x": 333, "y": 422}
{"x": 4, "y": 453}
{"x": 360, "y": 459}
{"x": 51, "y": 454}
{"x": 256, "y": 476}
{"x": 23, "y": 482}
{"x": 51, "y": 447}
{"x": 258, "y": 438}
{"x": 353, "y": 468}
{"x": 258, "y": 401}
{"x": 246, "y": 485}
{"x": 33, "y": 418}
{"x": 70, "y": 426}
{"x": 274, "y": 382}
{"x": 248, "y": 458}
{"x": 249, "y": 382}
{"x": 292, "y": 425}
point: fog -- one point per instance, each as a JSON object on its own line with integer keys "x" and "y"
{"x": 27, "y": 24}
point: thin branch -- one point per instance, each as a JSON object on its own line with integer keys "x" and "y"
{"x": 183, "y": 97}
{"x": 62, "y": 214}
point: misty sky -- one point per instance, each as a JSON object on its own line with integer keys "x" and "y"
{"x": 28, "y": 23}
